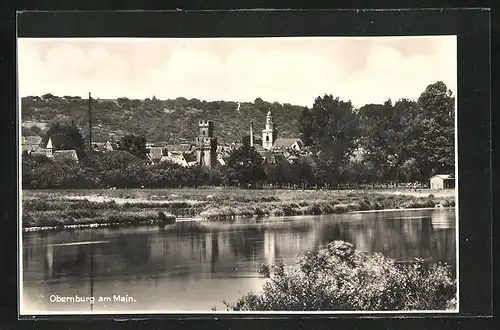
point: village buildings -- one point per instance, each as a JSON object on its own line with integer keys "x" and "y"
{"x": 204, "y": 151}
{"x": 56, "y": 155}
{"x": 31, "y": 144}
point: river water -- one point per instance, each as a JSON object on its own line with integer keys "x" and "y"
{"x": 194, "y": 266}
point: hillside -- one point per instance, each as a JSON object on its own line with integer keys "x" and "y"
{"x": 159, "y": 120}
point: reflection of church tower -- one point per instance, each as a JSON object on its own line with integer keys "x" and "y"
{"x": 206, "y": 144}
{"x": 269, "y": 248}
{"x": 215, "y": 252}
{"x": 268, "y": 134}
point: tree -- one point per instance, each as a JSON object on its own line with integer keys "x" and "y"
{"x": 246, "y": 165}
{"x": 437, "y": 106}
{"x": 261, "y": 105}
{"x": 49, "y": 96}
{"x": 31, "y": 131}
{"x": 134, "y": 144}
{"x": 383, "y": 137}
{"x": 256, "y": 140}
{"x": 65, "y": 137}
{"x": 306, "y": 127}
{"x": 331, "y": 129}
{"x": 409, "y": 170}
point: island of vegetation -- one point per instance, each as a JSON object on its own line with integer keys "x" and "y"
{"x": 337, "y": 277}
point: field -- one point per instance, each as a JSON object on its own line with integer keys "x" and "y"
{"x": 121, "y": 207}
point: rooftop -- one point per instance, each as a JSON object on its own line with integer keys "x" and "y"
{"x": 443, "y": 176}
{"x": 184, "y": 147}
{"x": 286, "y": 142}
{"x": 65, "y": 154}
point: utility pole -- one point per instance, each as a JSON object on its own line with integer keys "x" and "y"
{"x": 90, "y": 122}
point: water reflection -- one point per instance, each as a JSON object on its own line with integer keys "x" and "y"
{"x": 197, "y": 265}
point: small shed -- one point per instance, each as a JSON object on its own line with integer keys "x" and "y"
{"x": 442, "y": 181}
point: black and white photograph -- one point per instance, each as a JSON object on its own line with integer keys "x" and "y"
{"x": 238, "y": 175}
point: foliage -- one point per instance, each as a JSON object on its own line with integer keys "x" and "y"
{"x": 134, "y": 144}
{"x": 410, "y": 140}
{"x": 171, "y": 120}
{"x": 245, "y": 166}
{"x": 65, "y": 137}
{"x": 31, "y": 131}
{"x": 330, "y": 127}
{"x": 338, "y": 277}
{"x": 377, "y": 143}
{"x": 435, "y": 130}
{"x": 213, "y": 204}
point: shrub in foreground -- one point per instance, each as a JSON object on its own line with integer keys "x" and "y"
{"x": 337, "y": 277}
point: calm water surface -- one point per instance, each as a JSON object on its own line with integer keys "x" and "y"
{"x": 194, "y": 266}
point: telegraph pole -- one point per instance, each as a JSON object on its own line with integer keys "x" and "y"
{"x": 90, "y": 122}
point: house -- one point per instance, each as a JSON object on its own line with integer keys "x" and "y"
{"x": 293, "y": 159}
{"x": 111, "y": 145}
{"x": 179, "y": 148}
{"x": 190, "y": 158}
{"x": 175, "y": 158}
{"x": 63, "y": 155}
{"x": 223, "y": 150}
{"x": 155, "y": 154}
{"x": 221, "y": 160}
{"x": 442, "y": 181}
{"x": 260, "y": 149}
{"x": 31, "y": 143}
{"x": 99, "y": 146}
{"x": 235, "y": 146}
{"x": 184, "y": 159}
{"x": 288, "y": 144}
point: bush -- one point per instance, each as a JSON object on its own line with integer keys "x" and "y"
{"x": 337, "y": 277}
{"x": 340, "y": 208}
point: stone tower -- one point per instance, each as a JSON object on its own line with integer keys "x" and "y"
{"x": 206, "y": 144}
{"x": 268, "y": 134}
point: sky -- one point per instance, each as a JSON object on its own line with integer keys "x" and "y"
{"x": 292, "y": 70}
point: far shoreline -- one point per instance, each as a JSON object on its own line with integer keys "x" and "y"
{"x": 80, "y": 209}
{"x": 404, "y": 209}
{"x": 201, "y": 220}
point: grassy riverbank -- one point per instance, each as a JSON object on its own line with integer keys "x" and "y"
{"x": 59, "y": 208}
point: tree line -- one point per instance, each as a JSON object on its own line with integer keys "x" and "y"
{"x": 171, "y": 120}
{"x": 404, "y": 141}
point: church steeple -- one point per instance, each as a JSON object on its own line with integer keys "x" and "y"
{"x": 269, "y": 121}
{"x": 268, "y": 132}
{"x": 49, "y": 149}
